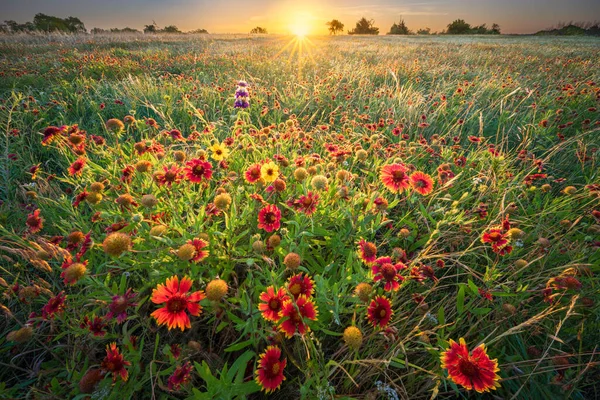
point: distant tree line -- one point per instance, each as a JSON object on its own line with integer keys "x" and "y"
{"x": 48, "y": 23}
{"x": 573, "y": 29}
{"x": 45, "y": 23}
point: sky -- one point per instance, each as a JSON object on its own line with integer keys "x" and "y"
{"x": 285, "y": 16}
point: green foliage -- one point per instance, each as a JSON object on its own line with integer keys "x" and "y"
{"x": 364, "y": 27}
{"x": 399, "y": 28}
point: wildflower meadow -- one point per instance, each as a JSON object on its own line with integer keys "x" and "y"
{"x": 234, "y": 216}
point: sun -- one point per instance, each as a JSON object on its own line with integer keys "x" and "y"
{"x": 299, "y": 29}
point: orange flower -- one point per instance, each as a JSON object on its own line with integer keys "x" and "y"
{"x": 421, "y": 183}
{"x": 269, "y": 374}
{"x": 177, "y": 300}
{"x": 300, "y": 284}
{"x": 394, "y": 177}
{"x": 472, "y": 371}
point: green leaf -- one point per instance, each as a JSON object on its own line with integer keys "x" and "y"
{"x": 238, "y": 346}
{"x": 460, "y": 300}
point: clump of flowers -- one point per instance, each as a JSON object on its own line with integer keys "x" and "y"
{"x": 242, "y": 96}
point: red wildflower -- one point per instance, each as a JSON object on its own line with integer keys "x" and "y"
{"x": 294, "y": 314}
{"x": 177, "y": 300}
{"x": 115, "y": 363}
{"x": 50, "y": 133}
{"x": 385, "y": 269}
{"x": 367, "y": 251}
{"x": 380, "y": 312}
{"x": 421, "y": 183}
{"x": 269, "y": 218}
{"x": 301, "y": 285}
{"x": 96, "y": 325}
{"x": 168, "y": 176}
{"x": 196, "y": 169}
{"x": 499, "y": 240}
{"x": 76, "y": 168}
{"x": 394, "y": 177}
{"x": 306, "y": 204}
{"x": 269, "y": 374}
{"x": 252, "y": 174}
{"x": 55, "y": 305}
{"x": 34, "y": 222}
{"x": 472, "y": 371}
{"x": 180, "y": 376}
{"x": 272, "y": 302}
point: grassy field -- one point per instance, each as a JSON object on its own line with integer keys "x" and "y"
{"x": 450, "y": 183}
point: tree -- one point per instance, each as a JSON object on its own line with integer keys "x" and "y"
{"x": 495, "y": 29}
{"x": 458, "y": 27}
{"x": 171, "y": 29}
{"x": 199, "y": 31}
{"x": 335, "y": 26}
{"x": 399, "y": 28}
{"x": 425, "y": 31}
{"x": 364, "y": 27}
{"x": 74, "y": 25}
{"x": 151, "y": 28}
{"x": 258, "y": 29}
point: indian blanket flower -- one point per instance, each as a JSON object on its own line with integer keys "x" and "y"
{"x": 55, "y": 305}
{"x": 269, "y": 171}
{"x": 301, "y": 285}
{"x": 499, "y": 238}
{"x": 76, "y": 169}
{"x": 51, "y": 133}
{"x": 115, "y": 363}
{"x": 384, "y": 269}
{"x": 380, "y": 312}
{"x": 269, "y": 218}
{"x": 294, "y": 314}
{"x": 200, "y": 253}
{"x": 269, "y": 374}
{"x": 367, "y": 251}
{"x": 119, "y": 305}
{"x": 306, "y": 203}
{"x": 197, "y": 170}
{"x": 394, "y": 177}
{"x": 472, "y": 371}
{"x": 219, "y": 152}
{"x": 177, "y": 300}
{"x": 242, "y": 96}
{"x": 271, "y": 303}
{"x": 168, "y": 176}
{"x": 253, "y": 173}
{"x": 421, "y": 183}
{"x": 34, "y": 222}
{"x": 180, "y": 376}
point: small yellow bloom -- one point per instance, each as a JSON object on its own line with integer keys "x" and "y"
{"x": 269, "y": 172}
{"x": 219, "y": 152}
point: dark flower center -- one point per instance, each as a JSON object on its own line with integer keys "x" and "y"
{"x": 467, "y": 367}
{"x": 274, "y": 304}
{"x": 420, "y": 183}
{"x": 176, "y": 304}
{"x": 398, "y": 175}
{"x": 388, "y": 271}
{"x": 198, "y": 170}
{"x": 270, "y": 217}
{"x": 382, "y": 313}
{"x": 495, "y": 236}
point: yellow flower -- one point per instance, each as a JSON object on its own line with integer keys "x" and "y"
{"x": 269, "y": 172}
{"x": 219, "y": 152}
